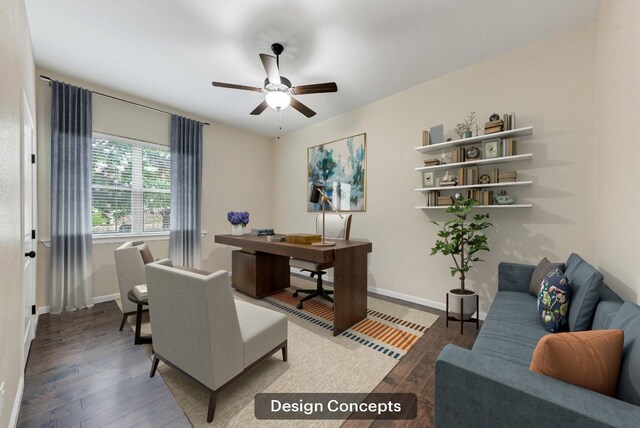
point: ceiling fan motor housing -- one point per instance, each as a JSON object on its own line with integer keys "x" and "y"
{"x": 285, "y": 84}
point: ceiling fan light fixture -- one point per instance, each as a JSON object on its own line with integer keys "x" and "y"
{"x": 278, "y": 100}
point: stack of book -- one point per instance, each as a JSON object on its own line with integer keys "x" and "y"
{"x": 483, "y": 197}
{"x": 445, "y": 201}
{"x": 431, "y": 162}
{"x": 262, "y": 231}
{"x": 458, "y": 155}
{"x": 493, "y": 126}
{"x": 509, "y": 121}
{"x": 494, "y": 175}
{"x": 468, "y": 176}
{"x": 432, "y": 198}
{"x": 507, "y": 176}
{"x": 508, "y": 147}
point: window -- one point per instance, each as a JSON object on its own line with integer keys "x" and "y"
{"x": 130, "y": 183}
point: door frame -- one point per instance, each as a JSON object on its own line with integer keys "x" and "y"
{"x": 27, "y": 123}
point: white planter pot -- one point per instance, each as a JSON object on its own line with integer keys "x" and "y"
{"x": 237, "y": 229}
{"x": 468, "y": 304}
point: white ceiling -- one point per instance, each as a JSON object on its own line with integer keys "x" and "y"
{"x": 169, "y": 51}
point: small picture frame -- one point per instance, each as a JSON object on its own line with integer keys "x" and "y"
{"x": 428, "y": 179}
{"x": 491, "y": 148}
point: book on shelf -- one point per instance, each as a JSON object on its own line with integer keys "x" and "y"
{"x": 491, "y": 123}
{"x": 445, "y": 201}
{"x": 483, "y": 197}
{"x": 265, "y": 231}
{"x": 425, "y": 138}
{"x": 467, "y": 176}
{"x": 507, "y": 180}
{"x": 431, "y": 162}
{"x": 494, "y": 175}
{"x": 448, "y": 183}
{"x": 508, "y": 147}
{"x": 432, "y": 198}
{"x": 492, "y": 130}
{"x": 458, "y": 155}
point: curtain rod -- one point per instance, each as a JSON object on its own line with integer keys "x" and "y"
{"x": 48, "y": 79}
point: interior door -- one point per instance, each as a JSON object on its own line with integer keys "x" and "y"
{"x": 28, "y": 228}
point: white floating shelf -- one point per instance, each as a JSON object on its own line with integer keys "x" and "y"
{"x": 479, "y": 206}
{"x": 512, "y": 133}
{"x": 476, "y": 186}
{"x": 503, "y": 159}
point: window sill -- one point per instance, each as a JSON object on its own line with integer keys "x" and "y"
{"x": 124, "y": 237}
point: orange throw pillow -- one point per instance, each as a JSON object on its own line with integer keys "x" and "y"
{"x": 590, "y": 359}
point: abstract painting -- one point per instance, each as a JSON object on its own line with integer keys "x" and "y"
{"x": 341, "y": 166}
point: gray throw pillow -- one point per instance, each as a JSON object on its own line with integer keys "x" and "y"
{"x": 544, "y": 268}
{"x": 628, "y": 319}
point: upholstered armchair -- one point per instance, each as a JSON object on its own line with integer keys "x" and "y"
{"x": 130, "y": 260}
{"x": 336, "y": 228}
{"x": 200, "y": 330}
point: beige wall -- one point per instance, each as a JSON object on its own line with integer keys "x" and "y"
{"x": 550, "y": 85}
{"x": 236, "y": 176}
{"x": 618, "y": 110}
{"x": 17, "y": 71}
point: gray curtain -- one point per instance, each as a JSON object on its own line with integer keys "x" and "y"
{"x": 71, "y": 286}
{"x": 186, "y": 191}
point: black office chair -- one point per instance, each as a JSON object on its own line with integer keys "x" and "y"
{"x": 336, "y": 228}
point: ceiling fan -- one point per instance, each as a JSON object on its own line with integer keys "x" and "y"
{"x": 278, "y": 88}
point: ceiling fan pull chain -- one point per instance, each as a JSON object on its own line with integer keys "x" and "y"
{"x": 280, "y": 122}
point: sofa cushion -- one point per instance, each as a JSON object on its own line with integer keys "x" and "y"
{"x": 586, "y": 283}
{"x": 512, "y": 328}
{"x": 262, "y": 330}
{"x": 589, "y": 359}
{"x": 553, "y": 301}
{"x": 628, "y": 319}
{"x": 145, "y": 253}
{"x": 544, "y": 268}
{"x": 605, "y": 313}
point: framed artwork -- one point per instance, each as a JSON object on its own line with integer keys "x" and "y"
{"x": 428, "y": 179}
{"x": 490, "y": 148}
{"x": 341, "y": 166}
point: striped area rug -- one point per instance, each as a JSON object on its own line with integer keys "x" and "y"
{"x": 382, "y": 331}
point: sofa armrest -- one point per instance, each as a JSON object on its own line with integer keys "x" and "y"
{"x": 476, "y": 390}
{"x": 514, "y": 277}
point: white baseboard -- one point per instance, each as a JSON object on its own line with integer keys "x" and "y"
{"x": 95, "y": 300}
{"x": 13, "y": 421}
{"x": 413, "y": 299}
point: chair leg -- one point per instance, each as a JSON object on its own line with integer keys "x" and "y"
{"x": 124, "y": 320}
{"x": 212, "y": 406}
{"x": 284, "y": 353}
{"x": 154, "y": 366}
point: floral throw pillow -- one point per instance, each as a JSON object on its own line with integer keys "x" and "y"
{"x": 553, "y": 301}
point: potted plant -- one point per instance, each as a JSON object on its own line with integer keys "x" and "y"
{"x": 238, "y": 222}
{"x": 462, "y": 240}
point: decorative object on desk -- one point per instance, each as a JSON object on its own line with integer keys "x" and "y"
{"x": 340, "y": 166}
{"x": 472, "y": 153}
{"x": 462, "y": 240}
{"x": 436, "y": 134}
{"x": 428, "y": 179}
{"x": 318, "y": 194}
{"x": 238, "y": 220}
{"x": 484, "y": 179}
{"x": 504, "y": 198}
{"x": 276, "y": 238}
{"x": 490, "y": 148}
{"x": 303, "y": 238}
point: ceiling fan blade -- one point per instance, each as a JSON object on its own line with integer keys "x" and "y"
{"x": 302, "y": 108}
{"x": 261, "y": 107}
{"x": 232, "y": 86}
{"x": 317, "y": 88}
{"x": 271, "y": 67}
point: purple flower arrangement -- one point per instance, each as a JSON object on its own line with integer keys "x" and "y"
{"x": 237, "y": 218}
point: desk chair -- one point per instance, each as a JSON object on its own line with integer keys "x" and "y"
{"x": 335, "y": 228}
{"x": 130, "y": 260}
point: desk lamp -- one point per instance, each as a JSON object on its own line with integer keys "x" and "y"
{"x": 317, "y": 195}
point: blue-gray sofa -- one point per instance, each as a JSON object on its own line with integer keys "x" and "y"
{"x": 491, "y": 385}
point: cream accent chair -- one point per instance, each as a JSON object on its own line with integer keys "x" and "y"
{"x": 200, "y": 330}
{"x": 130, "y": 260}
{"x": 336, "y": 228}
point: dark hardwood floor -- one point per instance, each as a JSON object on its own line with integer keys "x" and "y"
{"x": 83, "y": 372}
{"x": 415, "y": 373}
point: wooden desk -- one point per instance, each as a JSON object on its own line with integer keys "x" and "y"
{"x": 349, "y": 260}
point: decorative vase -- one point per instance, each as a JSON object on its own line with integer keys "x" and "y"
{"x": 468, "y": 303}
{"x": 468, "y": 134}
{"x": 237, "y": 229}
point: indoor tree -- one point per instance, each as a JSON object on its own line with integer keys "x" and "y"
{"x": 460, "y": 239}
